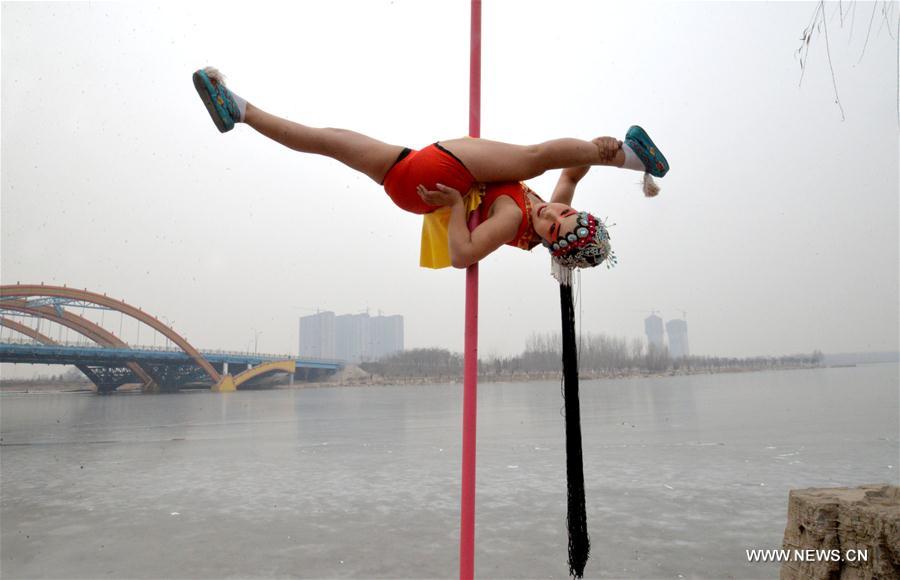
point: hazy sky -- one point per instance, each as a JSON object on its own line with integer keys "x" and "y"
{"x": 776, "y": 229}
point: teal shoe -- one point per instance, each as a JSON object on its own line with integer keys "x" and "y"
{"x": 218, "y": 101}
{"x": 644, "y": 147}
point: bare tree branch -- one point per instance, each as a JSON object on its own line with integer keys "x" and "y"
{"x": 819, "y": 24}
{"x": 805, "y": 39}
{"x": 886, "y": 10}
{"x": 837, "y": 99}
{"x": 868, "y": 32}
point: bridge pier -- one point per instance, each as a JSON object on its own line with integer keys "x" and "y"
{"x": 225, "y": 385}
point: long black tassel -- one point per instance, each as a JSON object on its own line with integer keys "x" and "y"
{"x": 579, "y": 543}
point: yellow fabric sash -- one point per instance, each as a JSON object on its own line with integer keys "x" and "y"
{"x": 435, "y": 252}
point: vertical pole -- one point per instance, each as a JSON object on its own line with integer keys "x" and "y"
{"x": 475, "y": 72}
{"x": 470, "y": 370}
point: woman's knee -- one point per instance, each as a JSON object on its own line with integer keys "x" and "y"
{"x": 538, "y": 158}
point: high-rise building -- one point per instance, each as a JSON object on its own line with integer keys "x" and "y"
{"x": 653, "y": 326}
{"x": 387, "y": 335}
{"x": 317, "y": 338}
{"x": 678, "y": 338}
{"x": 350, "y": 337}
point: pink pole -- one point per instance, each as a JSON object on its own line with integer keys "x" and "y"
{"x": 470, "y": 368}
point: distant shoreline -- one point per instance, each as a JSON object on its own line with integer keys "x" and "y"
{"x": 375, "y": 380}
{"x": 355, "y": 377}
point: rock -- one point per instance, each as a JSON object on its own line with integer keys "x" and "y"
{"x": 866, "y": 518}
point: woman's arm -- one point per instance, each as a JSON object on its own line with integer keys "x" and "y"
{"x": 568, "y": 180}
{"x": 467, "y": 248}
{"x": 565, "y": 187}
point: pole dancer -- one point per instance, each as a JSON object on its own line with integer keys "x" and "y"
{"x": 454, "y": 177}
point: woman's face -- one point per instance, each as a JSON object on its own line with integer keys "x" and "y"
{"x": 552, "y": 220}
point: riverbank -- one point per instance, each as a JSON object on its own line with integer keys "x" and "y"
{"x": 18, "y": 386}
{"x": 353, "y": 376}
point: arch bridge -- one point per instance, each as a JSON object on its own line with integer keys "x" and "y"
{"x": 112, "y": 363}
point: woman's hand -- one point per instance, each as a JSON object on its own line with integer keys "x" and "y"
{"x": 443, "y": 196}
{"x": 608, "y": 147}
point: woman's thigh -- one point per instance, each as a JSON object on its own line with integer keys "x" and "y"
{"x": 360, "y": 152}
{"x": 357, "y": 151}
{"x": 496, "y": 161}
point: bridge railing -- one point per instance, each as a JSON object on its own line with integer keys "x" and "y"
{"x": 155, "y": 348}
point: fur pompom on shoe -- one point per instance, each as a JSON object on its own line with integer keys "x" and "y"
{"x": 650, "y": 187}
{"x": 215, "y": 75}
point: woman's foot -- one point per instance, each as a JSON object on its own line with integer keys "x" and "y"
{"x": 651, "y": 157}
{"x": 224, "y": 107}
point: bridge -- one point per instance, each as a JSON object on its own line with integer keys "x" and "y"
{"x": 109, "y": 362}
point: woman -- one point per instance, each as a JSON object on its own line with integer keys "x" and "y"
{"x": 441, "y": 174}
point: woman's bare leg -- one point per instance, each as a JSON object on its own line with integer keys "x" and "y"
{"x": 357, "y": 151}
{"x": 495, "y": 161}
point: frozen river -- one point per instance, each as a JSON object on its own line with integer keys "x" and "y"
{"x": 683, "y": 474}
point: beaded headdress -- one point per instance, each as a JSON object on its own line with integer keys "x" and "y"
{"x": 586, "y": 246}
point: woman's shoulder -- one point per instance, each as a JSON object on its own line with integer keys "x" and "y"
{"x": 511, "y": 199}
{"x": 502, "y": 198}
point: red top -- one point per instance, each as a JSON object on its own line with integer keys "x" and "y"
{"x": 525, "y": 238}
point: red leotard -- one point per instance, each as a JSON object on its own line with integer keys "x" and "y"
{"x": 433, "y": 165}
{"x": 430, "y": 166}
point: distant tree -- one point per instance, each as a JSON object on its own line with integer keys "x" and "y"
{"x": 420, "y": 362}
{"x": 657, "y": 358}
{"x": 73, "y": 374}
